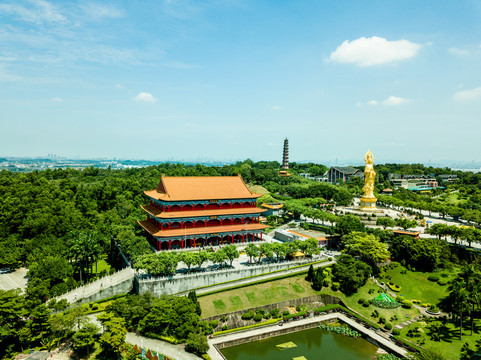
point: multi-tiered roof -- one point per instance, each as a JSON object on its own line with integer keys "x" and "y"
{"x": 185, "y": 209}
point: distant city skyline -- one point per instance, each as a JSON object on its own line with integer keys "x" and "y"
{"x": 221, "y": 80}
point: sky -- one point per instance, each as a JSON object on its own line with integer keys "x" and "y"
{"x": 230, "y": 79}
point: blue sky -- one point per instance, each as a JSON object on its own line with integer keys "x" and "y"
{"x": 231, "y": 79}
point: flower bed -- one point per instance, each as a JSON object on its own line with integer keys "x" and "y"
{"x": 394, "y": 287}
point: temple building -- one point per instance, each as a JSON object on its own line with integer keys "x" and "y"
{"x": 188, "y": 212}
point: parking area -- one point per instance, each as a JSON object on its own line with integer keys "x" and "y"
{"x": 13, "y": 280}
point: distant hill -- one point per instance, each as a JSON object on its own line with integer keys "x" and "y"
{"x": 3, "y": 160}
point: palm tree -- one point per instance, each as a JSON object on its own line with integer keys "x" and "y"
{"x": 458, "y": 300}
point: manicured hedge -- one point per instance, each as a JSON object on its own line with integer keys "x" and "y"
{"x": 268, "y": 322}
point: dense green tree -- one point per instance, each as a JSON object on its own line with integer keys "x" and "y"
{"x": 367, "y": 246}
{"x": 252, "y": 251}
{"x": 350, "y": 273}
{"x": 197, "y": 344}
{"x": 385, "y": 222}
{"x": 218, "y": 257}
{"x": 310, "y": 273}
{"x": 113, "y": 337}
{"x": 231, "y": 253}
{"x": 423, "y": 254}
{"x": 318, "y": 279}
{"x": 188, "y": 258}
{"x": 83, "y": 340}
{"x": 349, "y": 223}
{"x": 193, "y": 297}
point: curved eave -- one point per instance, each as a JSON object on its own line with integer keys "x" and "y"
{"x": 154, "y": 194}
{"x": 153, "y": 211}
{"x": 154, "y": 231}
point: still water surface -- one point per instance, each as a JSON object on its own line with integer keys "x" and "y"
{"x": 312, "y": 344}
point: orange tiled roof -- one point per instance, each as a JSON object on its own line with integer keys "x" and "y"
{"x": 152, "y": 210}
{"x": 272, "y": 206}
{"x": 153, "y": 230}
{"x": 183, "y": 188}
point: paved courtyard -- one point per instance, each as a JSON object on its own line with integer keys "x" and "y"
{"x": 14, "y": 280}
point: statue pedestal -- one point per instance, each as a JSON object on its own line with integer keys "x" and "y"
{"x": 368, "y": 204}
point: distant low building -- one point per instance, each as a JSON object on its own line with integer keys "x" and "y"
{"x": 414, "y": 182}
{"x": 272, "y": 208}
{"x": 344, "y": 173}
{"x": 450, "y": 178}
{"x": 314, "y": 178}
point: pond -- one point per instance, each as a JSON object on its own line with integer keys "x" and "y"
{"x": 312, "y": 344}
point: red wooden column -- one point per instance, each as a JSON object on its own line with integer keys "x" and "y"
{"x": 242, "y": 238}
{"x": 232, "y": 221}
{"x": 194, "y": 242}
{"x": 182, "y": 244}
{"x": 158, "y": 245}
{"x": 170, "y": 244}
{"x": 232, "y": 239}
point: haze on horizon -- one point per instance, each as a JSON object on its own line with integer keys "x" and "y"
{"x": 231, "y": 79}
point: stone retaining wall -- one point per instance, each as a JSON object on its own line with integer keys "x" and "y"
{"x": 181, "y": 283}
{"x": 235, "y": 321}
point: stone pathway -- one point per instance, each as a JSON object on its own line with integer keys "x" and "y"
{"x": 175, "y": 352}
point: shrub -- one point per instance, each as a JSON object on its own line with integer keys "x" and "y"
{"x": 326, "y": 283}
{"x": 366, "y": 303}
{"x": 225, "y": 327}
{"x": 442, "y": 282}
{"x": 285, "y": 312}
{"x": 388, "y": 326}
{"x": 274, "y": 313}
{"x": 258, "y": 317}
{"x": 335, "y": 286}
{"x": 407, "y": 304}
{"x": 361, "y": 301}
{"x": 248, "y": 315}
{"x": 329, "y": 258}
{"x": 382, "y": 320}
{"x": 433, "y": 278}
{"x": 214, "y": 323}
{"x": 223, "y": 318}
{"x": 95, "y": 306}
{"x": 396, "y": 332}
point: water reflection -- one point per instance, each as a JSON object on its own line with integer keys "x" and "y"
{"x": 312, "y": 344}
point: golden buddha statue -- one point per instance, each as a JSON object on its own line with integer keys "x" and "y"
{"x": 368, "y": 201}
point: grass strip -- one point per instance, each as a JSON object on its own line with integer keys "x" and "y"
{"x": 261, "y": 281}
{"x": 268, "y": 322}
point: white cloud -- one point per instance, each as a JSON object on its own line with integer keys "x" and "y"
{"x": 395, "y": 101}
{"x": 456, "y": 51}
{"x": 56, "y": 99}
{"x": 390, "y": 101}
{"x": 374, "y": 51}
{"x": 275, "y": 108}
{"x": 468, "y": 95}
{"x": 41, "y": 11}
{"x": 145, "y": 97}
{"x": 100, "y": 11}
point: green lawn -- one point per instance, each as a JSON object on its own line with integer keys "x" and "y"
{"x": 255, "y": 295}
{"x": 294, "y": 288}
{"x": 449, "y": 343}
{"x": 102, "y": 264}
{"x": 415, "y": 284}
{"x": 369, "y": 292}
